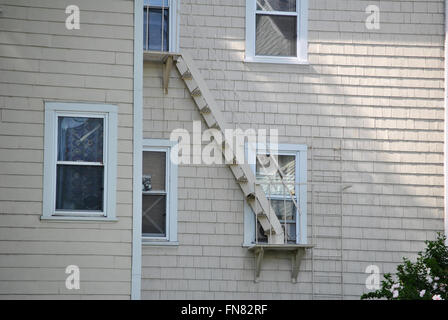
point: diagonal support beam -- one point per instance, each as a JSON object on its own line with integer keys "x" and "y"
{"x": 214, "y": 118}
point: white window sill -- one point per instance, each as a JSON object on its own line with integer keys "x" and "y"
{"x": 77, "y": 219}
{"x": 277, "y": 60}
{"x": 159, "y": 243}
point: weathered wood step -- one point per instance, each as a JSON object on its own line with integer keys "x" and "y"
{"x": 205, "y": 110}
{"x": 187, "y": 75}
{"x": 196, "y": 92}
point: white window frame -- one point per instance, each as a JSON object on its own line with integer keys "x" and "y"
{"x": 171, "y": 178}
{"x": 173, "y": 43}
{"x": 300, "y": 151}
{"x": 54, "y": 110}
{"x": 302, "y": 34}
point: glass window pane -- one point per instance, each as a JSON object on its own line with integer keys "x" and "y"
{"x": 80, "y": 139}
{"x": 284, "y": 208}
{"x": 287, "y": 164}
{"x": 79, "y": 188}
{"x": 276, "y": 35}
{"x": 291, "y": 232}
{"x": 261, "y": 236}
{"x": 152, "y": 29}
{"x": 154, "y": 215}
{"x": 154, "y": 170}
{"x": 268, "y": 176}
{"x": 156, "y": 3}
{"x": 276, "y": 5}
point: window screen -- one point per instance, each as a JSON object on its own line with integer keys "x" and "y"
{"x": 154, "y": 188}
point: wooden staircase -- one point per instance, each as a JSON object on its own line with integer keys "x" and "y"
{"x": 244, "y": 176}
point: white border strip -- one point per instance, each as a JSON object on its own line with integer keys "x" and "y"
{"x": 137, "y": 158}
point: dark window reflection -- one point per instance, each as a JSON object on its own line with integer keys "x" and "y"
{"x": 79, "y": 188}
{"x": 276, "y": 5}
{"x": 276, "y": 35}
{"x": 154, "y": 215}
{"x": 80, "y": 139}
{"x": 154, "y": 38}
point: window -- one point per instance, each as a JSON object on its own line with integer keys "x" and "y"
{"x": 159, "y": 193}
{"x": 80, "y": 161}
{"x": 292, "y": 160}
{"x": 159, "y": 25}
{"x": 276, "y": 31}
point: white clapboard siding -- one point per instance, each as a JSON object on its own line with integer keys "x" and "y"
{"x": 40, "y": 60}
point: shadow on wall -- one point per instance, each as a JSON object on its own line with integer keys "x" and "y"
{"x": 370, "y": 105}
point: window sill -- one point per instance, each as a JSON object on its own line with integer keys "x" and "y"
{"x": 77, "y": 219}
{"x": 277, "y": 60}
{"x": 279, "y": 247}
{"x": 159, "y": 243}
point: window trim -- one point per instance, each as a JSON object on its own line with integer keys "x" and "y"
{"x": 53, "y": 110}
{"x": 302, "y": 34}
{"x": 171, "y": 182}
{"x": 173, "y": 43}
{"x": 300, "y": 151}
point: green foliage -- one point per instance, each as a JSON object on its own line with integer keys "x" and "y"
{"x": 426, "y": 279}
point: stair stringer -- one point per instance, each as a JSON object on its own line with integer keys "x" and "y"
{"x": 246, "y": 179}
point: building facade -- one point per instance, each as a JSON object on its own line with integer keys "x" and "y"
{"x": 354, "y": 89}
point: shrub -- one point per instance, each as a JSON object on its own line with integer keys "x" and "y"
{"x": 425, "y": 279}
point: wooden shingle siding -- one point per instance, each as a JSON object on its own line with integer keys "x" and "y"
{"x": 40, "y": 60}
{"x": 370, "y": 107}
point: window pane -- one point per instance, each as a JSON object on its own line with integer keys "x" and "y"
{"x": 276, "y": 35}
{"x": 276, "y": 5}
{"x": 284, "y": 208}
{"x": 152, "y": 29}
{"x": 262, "y": 236}
{"x": 154, "y": 215}
{"x": 79, "y": 188}
{"x": 156, "y": 3}
{"x": 268, "y": 176}
{"x": 154, "y": 170}
{"x": 80, "y": 139}
{"x": 291, "y": 232}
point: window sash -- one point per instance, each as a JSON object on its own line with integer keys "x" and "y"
{"x": 164, "y": 19}
{"x": 301, "y": 45}
{"x": 172, "y": 25}
{"x": 286, "y": 197}
{"x": 164, "y": 234}
{"x": 65, "y": 212}
{"x": 157, "y": 3}
{"x": 80, "y": 163}
{"x": 300, "y": 153}
{"x": 278, "y": 13}
{"x": 165, "y": 193}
